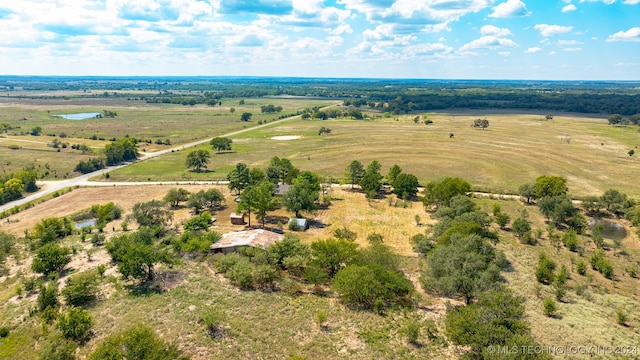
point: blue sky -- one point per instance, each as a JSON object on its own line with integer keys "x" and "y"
{"x": 441, "y": 39}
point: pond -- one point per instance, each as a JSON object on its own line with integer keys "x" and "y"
{"x": 611, "y": 230}
{"x": 79, "y": 116}
{"x": 85, "y": 223}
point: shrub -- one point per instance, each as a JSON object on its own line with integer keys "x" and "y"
{"x": 58, "y": 348}
{"x": 412, "y": 330}
{"x": 50, "y": 258}
{"x": 600, "y": 263}
{"x": 4, "y": 332}
{"x": 224, "y": 263}
{"x": 242, "y": 274}
{"x": 75, "y": 324}
{"x": 621, "y": 316}
{"x": 345, "y": 234}
{"x": 549, "y": 306}
{"x": 48, "y": 297}
{"x": 137, "y": 342}
{"x": 81, "y": 289}
{"x": 212, "y": 319}
{"x": 545, "y": 269}
{"x": 581, "y": 267}
{"x": 570, "y": 240}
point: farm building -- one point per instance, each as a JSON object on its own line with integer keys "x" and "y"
{"x": 258, "y": 238}
{"x": 298, "y": 224}
{"x": 237, "y": 219}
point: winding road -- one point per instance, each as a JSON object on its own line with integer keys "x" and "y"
{"x": 83, "y": 180}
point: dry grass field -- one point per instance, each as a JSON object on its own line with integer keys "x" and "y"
{"x": 513, "y": 150}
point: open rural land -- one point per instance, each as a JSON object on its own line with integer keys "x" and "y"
{"x": 295, "y": 218}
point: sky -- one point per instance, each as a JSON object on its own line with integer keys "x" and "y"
{"x": 431, "y": 39}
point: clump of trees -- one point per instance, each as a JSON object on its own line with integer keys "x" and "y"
{"x": 220, "y": 144}
{"x": 13, "y": 185}
{"x": 198, "y": 160}
{"x": 91, "y": 165}
{"x": 269, "y": 109}
{"x": 120, "y": 151}
{"x": 480, "y": 123}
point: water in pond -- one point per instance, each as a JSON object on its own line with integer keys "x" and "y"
{"x": 611, "y": 230}
{"x": 79, "y": 116}
{"x": 85, "y": 223}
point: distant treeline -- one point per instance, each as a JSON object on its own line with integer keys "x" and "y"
{"x": 13, "y": 185}
{"x": 397, "y": 96}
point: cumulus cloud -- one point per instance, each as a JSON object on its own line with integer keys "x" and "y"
{"x": 533, "y": 50}
{"x": 569, "y": 8}
{"x": 488, "y": 42}
{"x": 551, "y": 30}
{"x": 494, "y": 30}
{"x": 272, "y": 7}
{"x": 510, "y": 8}
{"x": 632, "y": 34}
{"x": 632, "y": 2}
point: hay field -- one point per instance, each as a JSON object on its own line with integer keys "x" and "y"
{"x": 515, "y": 149}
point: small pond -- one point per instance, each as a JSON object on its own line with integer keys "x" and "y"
{"x": 611, "y": 230}
{"x": 79, "y": 116}
{"x": 85, "y": 223}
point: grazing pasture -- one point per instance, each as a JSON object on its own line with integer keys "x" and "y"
{"x": 513, "y": 150}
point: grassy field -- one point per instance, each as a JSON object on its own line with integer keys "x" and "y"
{"x": 151, "y": 122}
{"x": 515, "y": 149}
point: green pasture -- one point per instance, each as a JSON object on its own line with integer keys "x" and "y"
{"x": 513, "y": 150}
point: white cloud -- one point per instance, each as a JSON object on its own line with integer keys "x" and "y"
{"x": 632, "y": 2}
{"x": 569, "y": 8}
{"x": 608, "y": 2}
{"x": 572, "y": 49}
{"x": 533, "y": 50}
{"x": 632, "y": 34}
{"x": 342, "y": 29}
{"x": 510, "y": 8}
{"x": 551, "y": 30}
{"x": 488, "y": 42}
{"x": 494, "y": 30}
{"x": 568, "y": 42}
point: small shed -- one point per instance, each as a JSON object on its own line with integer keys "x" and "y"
{"x": 258, "y": 238}
{"x": 297, "y": 224}
{"x": 237, "y": 219}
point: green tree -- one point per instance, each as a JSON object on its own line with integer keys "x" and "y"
{"x": 393, "y": 173}
{"x": 614, "y": 200}
{"x": 75, "y": 324}
{"x": 406, "y": 185}
{"x": 151, "y": 213}
{"x": 355, "y": 172}
{"x": 466, "y": 267}
{"x": 81, "y": 289}
{"x": 50, "y": 258}
{"x": 175, "y": 196}
{"x": 302, "y": 195}
{"x": 199, "y": 222}
{"x": 239, "y": 177}
{"x": 137, "y": 342}
{"x": 332, "y": 254}
{"x": 58, "y": 348}
{"x": 281, "y": 170}
{"x": 521, "y": 226}
{"x": 51, "y": 229}
{"x": 545, "y": 270}
{"x": 260, "y": 199}
{"x": 121, "y": 150}
{"x": 136, "y": 254}
{"x": 502, "y": 220}
{"x": 370, "y": 182}
{"x": 246, "y": 116}
{"x": 550, "y": 186}
{"x": 527, "y": 191}
{"x": 481, "y": 123}
{"x": 220, "y": 144}
{"x": 439, "y": 193}
{"x": 198, "y": 159}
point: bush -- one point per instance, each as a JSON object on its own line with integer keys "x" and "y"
{"x": 224, "y": 263}
{"x": 621, "y": 316}
{"x": 345, "y": 234}
{"x": 75, "y": 324}
{"x": 545, "y": 269}
{"x": 581, "y": 267}
{"x": 137, "y": 342}
{"x": 81, "y": 289}
{"x": 549, "y": 306}
{"x": 570, "y": 240}
{"x": 58, "y": 348}
{"x": 48, "y": 297}
{"x": 601, "y": 264}
{"x": 50, "y": 258}
{"x": 212, "y": 319}
{"x": 4, "y": 332}
{"x": 242, "y": 274}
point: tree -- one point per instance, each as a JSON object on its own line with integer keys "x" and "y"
{"x": 36, "y": 131}
{"x": 355, "y": 172}
{"x": 121, "y": 150}
{"x": 198, "y": 159}
{"x": 406, "y": 185}
{"x": 481, "y": 123}
{"x": 527, "y": 191}
{"x": 393, "y": 173}
{"x": 614, "y": 200}
{"x": 615, "y": 119}
{"x": 137, "y": 342}
{"x": 332, "y": 254}
{"x": 136, "y": 254}
{"x": 281, "y": 171}
{"x": 75, "y": 324}
{"x": 51, "y": 257}
{"x": 246, "y": 116}
{"x": 550, "y": 186}
{"x": 439, "y": 193}
{"x": 260, "y": 199}
{"x": 48, "y": 297}
{"x": 545, "y": 270}
{"x": 52, "y": 229}
{"x": 631, "y": 152}
{"x": 81, "y": 289}
{"x": 239, "y": 177}
{"x": 466, "y": 267}
{"x": 199, "y": 222}
{"x": 324, "y": 130}
{"x": 556, "y": 208}
{"x": 521, "y": 226}
{"x": 175, "y": 196}
{"x": 210, "y": 199}
{"x": 151, "y": 213}
{"x": 302, "y": 195}
{"x": 370, "y": 182}
{"x": 220, "y": 144}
